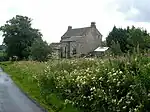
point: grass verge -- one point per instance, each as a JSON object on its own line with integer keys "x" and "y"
{"x": 26, "y": 85}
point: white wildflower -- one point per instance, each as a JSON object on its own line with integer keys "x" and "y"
{"x": 131, "y": 98}
{"x": 100, "y": 78}
{"x": 102, "y": 62}
{"x": 93, "y": 88}
{"x": 135, "y": 110}
{"x": 120, "y": 100}
{"x": 124, "y": 107}
{"x": 128, "y": 102}
{"x": 114, "y": 74}
{"x": 109, "y": 73}
{"x": 114, "y": 80}
{"x": 113, "y": 100}
{"x": 84, "y": 97}
{"x": 118, "y": 83}
{"x": 120, "y": 72}
{"x": 93, "y": 78}
{"x": 83, "y": 82}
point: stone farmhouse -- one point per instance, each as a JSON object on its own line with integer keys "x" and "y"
{"x": 78, "y": 42}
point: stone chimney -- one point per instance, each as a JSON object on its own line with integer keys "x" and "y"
{"x": 93, "y": 24}
{"x": 69, "y": 27}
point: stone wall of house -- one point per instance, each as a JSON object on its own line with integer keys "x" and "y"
{"x": 90, "y": 42}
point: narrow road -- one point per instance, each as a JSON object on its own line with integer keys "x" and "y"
{"x": 12, "y": 99}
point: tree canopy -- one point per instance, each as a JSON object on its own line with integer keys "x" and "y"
{"x": 118, "y": 35}
{"x": 19, "y": 36}
{"x": 128, "y": 39}
{"x": 40, "y": 50}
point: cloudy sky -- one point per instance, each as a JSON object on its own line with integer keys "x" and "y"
{"x": 53, "y": 17}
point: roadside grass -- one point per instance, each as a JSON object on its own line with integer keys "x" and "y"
{"x": 23, "y": 73}
{"x": 24, "y": 81}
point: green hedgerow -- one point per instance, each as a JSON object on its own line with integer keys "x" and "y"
{"x": 94, "y": 85}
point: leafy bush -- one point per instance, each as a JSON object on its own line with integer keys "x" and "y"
{"x": 93, "y": 85}
{"x": 98, "y": 86}
{"x": 3, "y": 58}
{"x": 40, "y": 50}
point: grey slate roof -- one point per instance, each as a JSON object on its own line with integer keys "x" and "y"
{"x": 76, "y": 32}
{"x": 71, "y": 39}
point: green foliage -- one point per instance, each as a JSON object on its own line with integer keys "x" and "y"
{"x": 104, "y": 44}
{"x": 91, "y": 85}
{"x": 40, "y": 50}
{"x": 118, "y": 35}
{"x": 115, "y": 48}
{"x": 129, "y": 39}
{"x": 3, "y": 48}
{"x": 138, "y": 37}
{"x": 3, "y": 54}
{"x": 3, "y": 57}
{"x": 26, "y": 79}
{"x": 19, "y": 35}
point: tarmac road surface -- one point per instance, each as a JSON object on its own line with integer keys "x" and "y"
{"x": 12, "y": 99}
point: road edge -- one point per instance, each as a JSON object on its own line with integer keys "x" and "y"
{"x": 34, "y": 101}
{"x": 21, "y": 90}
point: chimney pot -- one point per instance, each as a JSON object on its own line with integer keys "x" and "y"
{"x": 69, "y": 27}
{"x": 93, "y": 24}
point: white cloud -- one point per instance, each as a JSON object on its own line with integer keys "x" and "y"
{"x": 53, "y": 17}
{"x": 140, "y": 6}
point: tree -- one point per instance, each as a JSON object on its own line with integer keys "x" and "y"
{"x": 19, "y": 36}
{"x": 129, "y": 39}
{"x": 2, "y": 47}
{"x": 138, "y": 37}
{"x": 118, "y": 35}
{"x": 40, "y": 50}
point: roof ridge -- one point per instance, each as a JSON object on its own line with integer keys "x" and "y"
{"x": 75, "y": 32}
{"x": 80, "y": 28}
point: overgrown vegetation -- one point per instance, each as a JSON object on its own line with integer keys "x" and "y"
{"x": 90, "y": 85}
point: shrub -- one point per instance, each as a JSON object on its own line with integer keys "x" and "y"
{"x": 97, "y": 86}
{"x": 40, "y": 50}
